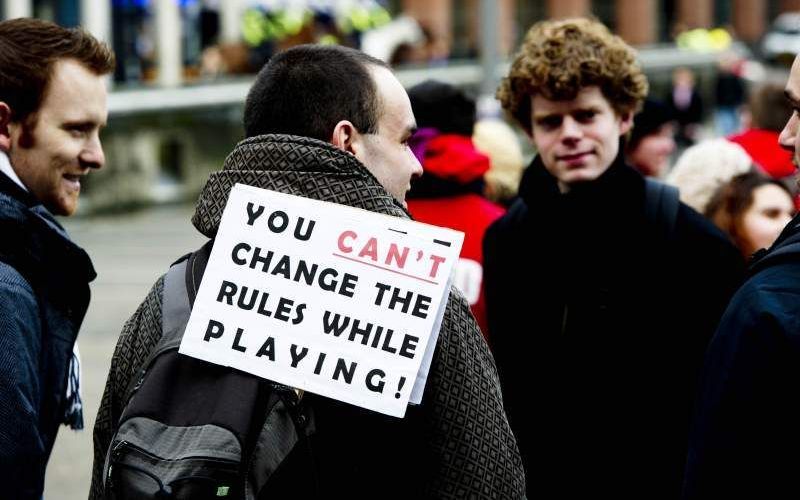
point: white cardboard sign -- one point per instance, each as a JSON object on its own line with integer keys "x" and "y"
{"x": 322, "y": 297}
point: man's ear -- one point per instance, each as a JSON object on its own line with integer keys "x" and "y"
{"x": 344, "y": 134}
{"x": 625, "y": 123}
{"x": 5, "y": 131}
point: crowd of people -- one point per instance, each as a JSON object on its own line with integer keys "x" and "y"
{"x": 617, "y": 326}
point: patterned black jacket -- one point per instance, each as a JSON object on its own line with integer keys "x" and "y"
{"x": 456, "y": 444}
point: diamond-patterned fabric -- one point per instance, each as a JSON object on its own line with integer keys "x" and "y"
{"x": 293, "y": 165}
{"x": 475, "y": 453}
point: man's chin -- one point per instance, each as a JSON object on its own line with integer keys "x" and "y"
{"x": 580, "y": 176}
{"x": 64, "y": 208}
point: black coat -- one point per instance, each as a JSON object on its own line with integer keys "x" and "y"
{"x": 598, "y": 325}
{"x": 746, "y": 433}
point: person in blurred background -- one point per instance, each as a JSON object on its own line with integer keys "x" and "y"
{"x": 685, "y": 102}
{"x": 450, "y": 191}
{"x": 599, "y": 308}
{"x": 704, "y": 167}
{"x": 729, "y": 94}
{"x": 52, "y": 107}
{"x": 769, "y": 111}
{"x": 752, "y": 209}
{"x": 496, "y": 139}
{"x": 652, "y": 140}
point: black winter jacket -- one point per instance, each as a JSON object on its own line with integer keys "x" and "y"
{"x": 44, "y": 293}
{"x": 746, "y": 433}
{"x": 598, "y": 324}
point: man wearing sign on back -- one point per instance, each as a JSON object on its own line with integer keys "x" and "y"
{"x": 599, "y": 352}
{"x": 331, "y": 124}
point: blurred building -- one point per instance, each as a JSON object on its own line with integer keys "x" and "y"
{"x": 639, "y": 22}
{"x": 163, "y": 40}
{"x": 172, "y": 120}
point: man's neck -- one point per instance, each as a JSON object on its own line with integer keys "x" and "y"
{"x": 6, "y": 168}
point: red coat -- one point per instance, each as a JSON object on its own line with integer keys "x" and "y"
{"x": 762, "y": 146}
{"x": 471, "y": 214}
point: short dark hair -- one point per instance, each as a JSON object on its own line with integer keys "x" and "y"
{"x": 442, "y": 106}
{"x": 29, "y": 48}
{"x": 769, "y": 107}
{"x": 306, "y": 90}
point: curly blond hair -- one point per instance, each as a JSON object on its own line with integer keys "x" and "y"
{"x": 559, "y": 58}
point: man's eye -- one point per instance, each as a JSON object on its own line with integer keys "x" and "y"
{"x": 550, "y": 122}
{"x": 78, "y": 130}
{"x": 584, "y": 116}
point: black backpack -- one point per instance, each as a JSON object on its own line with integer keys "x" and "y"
{"x": 661, "y": 204}
{"x": 195, "y": 430}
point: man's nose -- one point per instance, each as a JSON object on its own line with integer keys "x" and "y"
{"x": 789, "y": 133}
{"x": 92, "y": 155}
{"x": 570, "y": 129}
{"x": 416, "y": 167}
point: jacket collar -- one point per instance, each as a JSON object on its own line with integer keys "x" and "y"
{"x": 35, "y": 244}
{"x": 786, "y": 247}
{"x": 620, "y": 187}
{"x": 293, "y": 165}
{"x": 8, "y": 170}
{"x": 13, "y": 190}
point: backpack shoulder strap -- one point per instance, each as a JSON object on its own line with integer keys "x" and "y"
{"x": 181, "y": 284}
{"x": 175, "y": 307}
{"x": 195, "y": 268}
{"x": 661, "y": 205}
{"x": 175, "y": 311}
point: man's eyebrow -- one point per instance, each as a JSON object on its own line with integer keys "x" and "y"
{"x": 791, "y": 97}
{"x": 88, "y": 123}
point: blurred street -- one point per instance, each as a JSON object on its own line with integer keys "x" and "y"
{"x": 129, "y": 252}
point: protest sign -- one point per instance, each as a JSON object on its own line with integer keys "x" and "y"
{"x": 322, "y": 297}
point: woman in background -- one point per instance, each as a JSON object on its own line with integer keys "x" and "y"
{"x": 752, "y": 209}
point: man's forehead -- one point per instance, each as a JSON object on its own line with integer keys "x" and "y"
{"x": 395, "y": 106}
{"x": 587, "y": 97}
{"x": 76, "y": 93}
{"x": 792, "y": 89}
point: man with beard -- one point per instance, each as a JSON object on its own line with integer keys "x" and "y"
{"x": 52, "y": 107}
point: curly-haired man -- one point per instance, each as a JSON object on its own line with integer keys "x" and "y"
{"x": 602, "y": 289}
